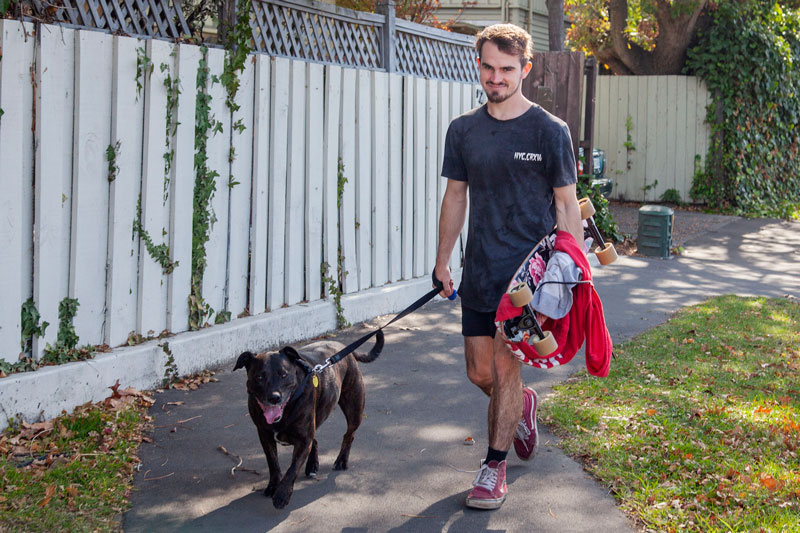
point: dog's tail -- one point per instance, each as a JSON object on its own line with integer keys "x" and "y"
{"x": 374, "y": 352}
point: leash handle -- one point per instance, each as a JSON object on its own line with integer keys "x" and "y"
{"x": 438, "y": 284}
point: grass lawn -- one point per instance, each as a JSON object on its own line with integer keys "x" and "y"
{"x": 73, "y": 473}
{"x": 697, "y": 426}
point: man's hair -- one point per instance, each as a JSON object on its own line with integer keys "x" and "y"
{"x": 509, "y": 39}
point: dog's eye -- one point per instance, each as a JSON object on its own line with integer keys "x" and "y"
{"x": 284, "y": 374}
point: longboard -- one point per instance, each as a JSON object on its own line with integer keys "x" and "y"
{"x": 527, "y": 327}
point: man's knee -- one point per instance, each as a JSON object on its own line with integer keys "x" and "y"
{"x": 478, "y": 355}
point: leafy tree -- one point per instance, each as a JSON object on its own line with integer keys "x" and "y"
{"x": 637, "y": 36}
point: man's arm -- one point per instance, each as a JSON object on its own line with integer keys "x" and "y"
{"x": 451, "y": 220}
{"x": 568, "y": 213}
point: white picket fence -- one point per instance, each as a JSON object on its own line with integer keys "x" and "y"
{"x": 67, "y": 231}
{"x": 664, "y": 116}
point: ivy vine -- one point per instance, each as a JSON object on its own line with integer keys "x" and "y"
{"x": 158, "y": 252}
{"x": 748, "y": 59}
{"x": 112, "y": 152}
{"x": 336, "y": 282}
{"x": 172, "y": 85}
{"x": 204, "y": 188}
{"x": 29, "y": 319}
{"x": 66, "y": 348}
{"x": 144, "y": 67}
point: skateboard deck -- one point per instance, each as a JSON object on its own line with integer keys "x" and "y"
{"x": 527, "y": 327}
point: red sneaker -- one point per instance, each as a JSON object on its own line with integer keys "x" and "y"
{"x": 489, "y": 488}
{"x": 527, "y": 433}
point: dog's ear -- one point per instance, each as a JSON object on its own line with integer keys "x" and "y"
{"x": 244, "y": 360}
{"x": 290, "y": 352}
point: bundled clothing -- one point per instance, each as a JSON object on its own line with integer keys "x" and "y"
{"x": 584, "y": 322}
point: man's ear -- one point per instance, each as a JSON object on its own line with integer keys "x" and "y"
{"x": 244, "y": 360}
{"x": 526, "y": 69}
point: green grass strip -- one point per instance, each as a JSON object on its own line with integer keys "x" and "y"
{"x": 73, "y": 473}
{"x": 697, "y": 428}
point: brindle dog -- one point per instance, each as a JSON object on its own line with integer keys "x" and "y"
{"x": 285, "y": 410}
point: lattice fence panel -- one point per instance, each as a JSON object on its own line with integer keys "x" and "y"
{"x": 288, "y": 30}
{"x": 433, "y": 58}
{"x": 161, "y": 19}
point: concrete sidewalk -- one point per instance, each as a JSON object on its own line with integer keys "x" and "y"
{"x": 408, "y": 460}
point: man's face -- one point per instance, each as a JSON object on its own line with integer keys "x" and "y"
{"x": 501, "y": 73}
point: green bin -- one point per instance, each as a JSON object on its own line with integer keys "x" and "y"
{"x": 655, "y": 230}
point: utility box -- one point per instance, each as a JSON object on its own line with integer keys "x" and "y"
{"x": 655, "y": 230}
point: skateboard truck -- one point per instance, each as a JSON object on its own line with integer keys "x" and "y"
{"x": 606, "y": 254}
{"x": 515, "y": 329}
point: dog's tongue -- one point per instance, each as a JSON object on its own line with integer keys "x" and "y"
{"x": 272, "y": 413}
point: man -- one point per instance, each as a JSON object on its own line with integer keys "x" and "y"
{"x": 515, "y": 161}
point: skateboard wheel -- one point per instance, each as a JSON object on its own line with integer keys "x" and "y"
{"x": 606, "y": 255}
{"x": 520, "y": 294}
{"x": 547, "y": 345}
{"x": 587, "y": 208}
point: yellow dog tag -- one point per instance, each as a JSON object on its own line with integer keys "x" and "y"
{"x": 315, "y": 381}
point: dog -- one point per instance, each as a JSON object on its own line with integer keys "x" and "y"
{"x": 287, "y": 404}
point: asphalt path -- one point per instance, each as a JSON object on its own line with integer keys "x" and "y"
{"x": 409, "y": 467}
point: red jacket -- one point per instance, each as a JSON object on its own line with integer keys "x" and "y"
{"x": 584, "y": 322}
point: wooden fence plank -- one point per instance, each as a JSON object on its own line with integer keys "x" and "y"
{"x": 240, "y": 193}
{"x": 654, "y": 115}
{"x": 680, "y": 155}
{"x": 89, "y": 230}
{"x": 395, "y": 128}
{"x": 380, "y": 179}
{"x": 639, "y": 138}
{"x": 408, "y": 178}
{"x": 601, "y": 128}
{"x": 431, "y": 173}
{"x": 420, "y": 220}
{"x": 690, "y": 147}
{"x": 315, "y": 183}
{"x": 28, "y": 169}
{"x": 152, "y": 307}
{"x": 181, "y": 192}
{"x": 127, "y": 114}
{"x": 443, "y": 121}
{"x": 295, "y": 186}
{"x": 14, "y": 81}
{"x": 259, "y": 205}
{"x": 669, "y": 155}
{"x": 279, "y": 111}
{"x": 53, "y": 179}
{"x": 347, "y": 150}
{"x": 218, "y": 149}
{"x": 333, "y": 102}
{"x": 455, "y": 110}
{"x": 363, "y": 179}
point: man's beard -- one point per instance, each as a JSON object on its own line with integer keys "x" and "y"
{"x": 500, "y": 97}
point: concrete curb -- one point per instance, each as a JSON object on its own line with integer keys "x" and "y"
{"x": 48, "y": 391}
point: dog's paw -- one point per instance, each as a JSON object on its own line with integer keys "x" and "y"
{"x": 270, "y": 490}
{"x": 312, "y": 468}
{"x": 281, "y": 498}
{"x": 340, "y": 464}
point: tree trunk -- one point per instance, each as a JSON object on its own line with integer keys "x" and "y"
{"x": 555, "y": 24}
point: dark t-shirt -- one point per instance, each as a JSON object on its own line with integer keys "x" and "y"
{"x": 511, "y": 167}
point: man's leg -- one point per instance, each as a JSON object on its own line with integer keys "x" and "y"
{"x": 478, "y": 352}
{"x": 505, "y": 404}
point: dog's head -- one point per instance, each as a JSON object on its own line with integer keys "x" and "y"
{"x": 272, "y": 378}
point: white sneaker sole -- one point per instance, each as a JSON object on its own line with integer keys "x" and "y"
{"x": 482, "y": 503}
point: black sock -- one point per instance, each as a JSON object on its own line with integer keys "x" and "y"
{"x": 495, "y": 455}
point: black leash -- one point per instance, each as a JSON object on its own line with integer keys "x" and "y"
{"x": 350, "y": 348}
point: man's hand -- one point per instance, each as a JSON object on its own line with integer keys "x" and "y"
{"x": 442, "y": 273}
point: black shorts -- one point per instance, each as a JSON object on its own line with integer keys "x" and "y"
{"x": 477, "y": 323}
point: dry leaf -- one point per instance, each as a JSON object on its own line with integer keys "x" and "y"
{"x": 768, "y": 481}
{"x": 48, "y": 495}
{"x": 651, "y": 412}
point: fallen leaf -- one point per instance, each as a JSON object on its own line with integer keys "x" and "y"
{"x": 651, "y": 412}
{"x": 768, "y": 481}
{"x": 48, "y": 495}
